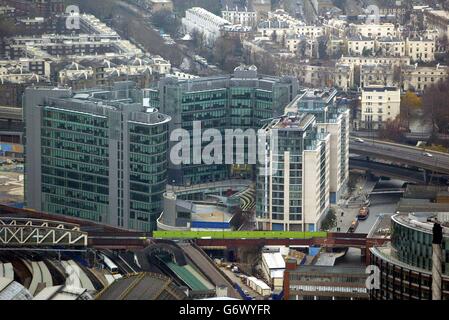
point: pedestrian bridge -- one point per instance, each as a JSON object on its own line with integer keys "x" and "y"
{"x": 28, "y": 232}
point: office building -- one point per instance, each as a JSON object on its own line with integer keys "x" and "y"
{"x": 243, "y": 100}
{"x": 406, "y": 263}
{"x": 292, "y": 187}
{"x": 97, "y": 154}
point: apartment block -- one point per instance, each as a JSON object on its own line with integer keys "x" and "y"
{"x": 200, "y": 20}
{"x": 292, "y": 187}
{"x": 379, "y": 104}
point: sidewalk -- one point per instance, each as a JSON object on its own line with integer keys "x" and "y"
{"x": 351, "y": 206}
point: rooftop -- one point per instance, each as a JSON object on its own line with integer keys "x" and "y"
{"x": 299, "y": 121}
{"x": 315, "y": 270}
{"x": 210, "y": 213}
{"x": 274, "y": 260}
{"x": 379, "y": 88}
{"x": 422, "y": 221}
{"x": 142, "y": 286}
{"x": 439, "y": 13}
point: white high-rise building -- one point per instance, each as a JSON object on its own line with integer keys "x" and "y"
{"x": 293, "y": 182}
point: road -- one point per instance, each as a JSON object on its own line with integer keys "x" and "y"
{"x": 402, "y": 154}
{"x": 379, "y": 204}
{"x": 382, "y": 169}
{"x": 241, "y": 283}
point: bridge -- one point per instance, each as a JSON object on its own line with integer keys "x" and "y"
{"x": 28, "y": 232}
{"x": 404, "y": 154}
{"x": 78, "y": 232}
{"x": 96, "y": 234}
{"x": 388, "y": 170}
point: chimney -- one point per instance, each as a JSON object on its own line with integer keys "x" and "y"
{"x": 436, "y": 261}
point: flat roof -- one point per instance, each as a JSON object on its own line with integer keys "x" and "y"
{"x": 210, "y": 213}
{"x": 274, "y": 260}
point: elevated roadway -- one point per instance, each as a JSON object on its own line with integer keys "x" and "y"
{"x": 404, "y": 154}
{"x": 387, "y": 170}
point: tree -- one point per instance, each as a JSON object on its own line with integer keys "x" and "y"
{"x": 227, "y": 52}
{"x": 367, "y": 52}
{"x": 392, "y": 130}
{"x": 274, "y": 36}
{"x": 410, "y": 102}
{"x": 329, "y": 221}
{"x": 302, "y": 48}
{"x": 436, "y": 106}
{"x": 167, "y": 21}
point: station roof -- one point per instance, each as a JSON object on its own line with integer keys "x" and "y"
{"x": 142, "y": 286}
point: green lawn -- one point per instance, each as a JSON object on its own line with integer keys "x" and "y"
{"x": 238, "y": 234}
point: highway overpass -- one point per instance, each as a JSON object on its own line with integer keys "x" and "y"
{"x": 397, "y": 153}
{"x": 387, "y": 170}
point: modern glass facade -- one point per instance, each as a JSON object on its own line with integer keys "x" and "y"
{"x": 406, "y": 264}
{"x": 97, "y": 154}
{"x": 75, "y": 160}
{"x": 414, "y": 246}
{"x": 243, "y": 101}
{"x": 147, "y": 173}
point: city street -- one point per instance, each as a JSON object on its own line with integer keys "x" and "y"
{"x": 379, "y": 204}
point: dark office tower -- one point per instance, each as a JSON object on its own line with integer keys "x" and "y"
{"x": 98, "y": 154}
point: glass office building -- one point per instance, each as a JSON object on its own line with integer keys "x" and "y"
{"x": 98, "y": 154}
{"x": 243, "y": 100}
{"x": 406, "y": 264}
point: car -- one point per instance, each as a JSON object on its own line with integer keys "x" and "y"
{"x": 363, "y": 213}
{"x": 359, "y": 140}
{"x": 353, "y": 226}
{"x": 426, "y": 154}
